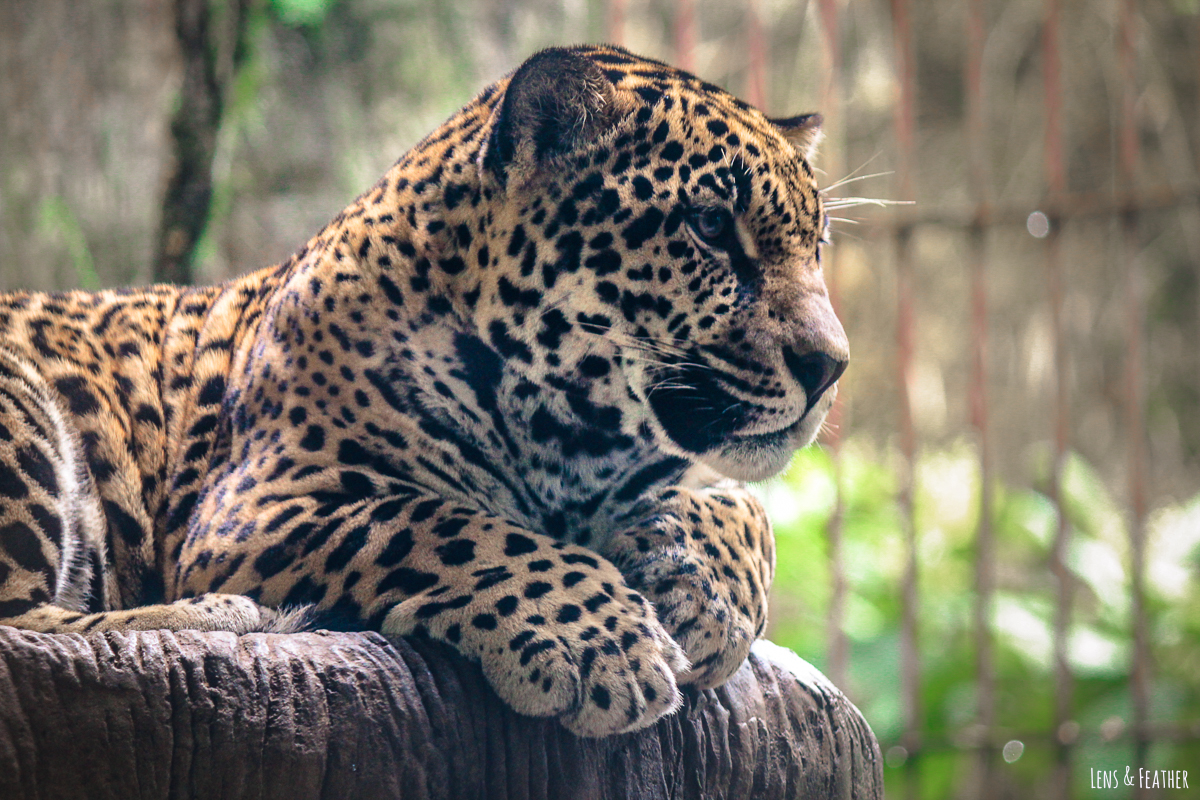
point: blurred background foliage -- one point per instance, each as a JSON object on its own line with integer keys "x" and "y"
{"x": 300, "y": 104}
{"x": 1022, "y": 618}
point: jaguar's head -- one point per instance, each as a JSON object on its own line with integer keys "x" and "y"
{"x": 666, "y": 240}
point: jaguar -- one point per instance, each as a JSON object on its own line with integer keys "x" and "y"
{"x": 507, "y": 400}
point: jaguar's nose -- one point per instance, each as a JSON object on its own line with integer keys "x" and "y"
{"x": 815, "y": 371}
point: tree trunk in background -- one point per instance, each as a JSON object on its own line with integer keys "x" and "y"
{"x": 213, "y": 45}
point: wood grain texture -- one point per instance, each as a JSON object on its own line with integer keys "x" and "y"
{"x": 336, "y": 715}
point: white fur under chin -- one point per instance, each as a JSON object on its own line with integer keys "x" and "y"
{"x": 757, "y": 466}
{"x": 755, "y": 459}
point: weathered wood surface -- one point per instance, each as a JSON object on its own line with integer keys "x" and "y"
{"x": 340, "y": 715}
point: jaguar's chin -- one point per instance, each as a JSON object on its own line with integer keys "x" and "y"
{"x": 760, "y": 456}
{"x": 755, "y": 457}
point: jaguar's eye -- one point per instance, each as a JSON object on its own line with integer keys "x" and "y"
{"x": 712, "y": 223}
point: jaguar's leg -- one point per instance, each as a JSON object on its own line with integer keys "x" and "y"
{"x": 53, "y": 569}
{"x": 705, "y": 559}
{"x": 557, "y": 630}
{"x": 209, "y": 612}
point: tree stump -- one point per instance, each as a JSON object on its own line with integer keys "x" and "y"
{"x": 342, "y": 715}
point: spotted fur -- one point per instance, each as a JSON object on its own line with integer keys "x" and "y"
{"x": 502, "y": 400}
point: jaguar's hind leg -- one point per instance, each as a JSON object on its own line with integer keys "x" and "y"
{"x": 54, "y": 574}
{"x": 208, "y": 612}
{"x": 52, "y": 564}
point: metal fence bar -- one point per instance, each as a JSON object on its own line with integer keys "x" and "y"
{"x": 684, "y": 34}
{"x": 615, "y": 23}
{"x": 1055, "y": 173}
{"x": 1196, "y": 144}
{"x": 756, "y": 94}
{"x": 1134, "y": 381}
{"x": 985, "y": 711}
{"x": 1172, "y": 732}
{"x": 833, "y": 160}
{"x": 1067, "y": 206}
{"x": 905, "y": 125}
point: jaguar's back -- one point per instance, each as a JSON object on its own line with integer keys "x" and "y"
{"x": 109, "y": 404}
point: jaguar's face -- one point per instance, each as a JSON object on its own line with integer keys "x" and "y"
{"x": 741, "y": 369}
{"x": 686, "y": 231}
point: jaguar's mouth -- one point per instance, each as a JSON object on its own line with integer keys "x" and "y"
{"x": 778, "y": 438}
{"x": 696, "y": 408}
{"x": 699, "y": 411}
{"x": 759, "y": 456}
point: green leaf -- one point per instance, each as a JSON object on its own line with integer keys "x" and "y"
{"x": 302, "y": 13}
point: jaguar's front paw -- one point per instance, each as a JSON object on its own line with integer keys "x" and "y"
{"x": 705, "y": 560}
{"x": 592, "y": 654}
{"x": 627, "y": 666}
{"x": 703, "y": 611}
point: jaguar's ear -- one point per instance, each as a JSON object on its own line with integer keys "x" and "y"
{"x": 804, "y": 132}
{"x": 555, "y": 103}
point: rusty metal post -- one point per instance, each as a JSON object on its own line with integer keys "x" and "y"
{"x": 615, "y": 30}
{"x": 685, "y": 34}
{"x": 1134, "y": 380}
{"x": 756, "y": 94}
{"x": 1055, "y": 172}
{"x": 905, "y": 125}
{"x": 833, "y": 160}
{"x": 985, "y": 712}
